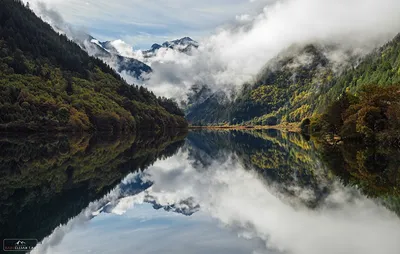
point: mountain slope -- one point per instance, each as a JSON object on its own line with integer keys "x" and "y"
{"x": 364, "y": 103}
{"x": 302, "y": 82}
{"x": 381, "y": 67}
{"x": 48, "y": 83}
{"x": 183, "y": 45}
{"x": 106, "y": 52}
{"x": 285, "y": 91}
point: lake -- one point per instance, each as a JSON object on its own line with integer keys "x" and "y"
{"x": 253, "y": 191}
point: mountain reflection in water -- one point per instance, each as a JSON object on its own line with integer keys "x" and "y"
{"x": 245, "y": 192}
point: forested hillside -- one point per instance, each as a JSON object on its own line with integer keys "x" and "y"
{"x": 359, "y": 102}
{"x": 287, "y": 90}
{"x": 364, "y": 102}
{"x": 381, "y": 67}
{"x": 48, "y": 83}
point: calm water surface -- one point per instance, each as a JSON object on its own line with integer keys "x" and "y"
{"x": 210, "y": 192}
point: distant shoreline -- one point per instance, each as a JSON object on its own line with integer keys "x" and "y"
{"x": 289, "y": 127}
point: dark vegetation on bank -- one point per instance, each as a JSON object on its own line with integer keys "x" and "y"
{"x": 371, "y": 117}
{"x": 48, "y": 83}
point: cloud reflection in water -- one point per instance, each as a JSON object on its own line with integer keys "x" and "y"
{"x": 252, "y": 216}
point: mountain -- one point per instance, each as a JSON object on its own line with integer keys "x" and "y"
{"x": 109, "y": 54}
{"x": 380, "y": 67}
{"x": 356, "y": 98}
{"x": 135, "y": 68}
{"x": 48, "y": 83}
{"x": 183, "y": 45}
{"x": 286, "y": 90}
{"x": 107, "y": 45}
{"x": 363, "y": 103}
{"x": 205, "y": 107}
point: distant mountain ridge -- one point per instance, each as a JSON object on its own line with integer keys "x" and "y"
{"x": 107, "y": 45}
{"x": 137, "y": 69}
{"x": 183, "y": 45}
{"x": 185, "y": 42}
{"x": 109, "y": 54}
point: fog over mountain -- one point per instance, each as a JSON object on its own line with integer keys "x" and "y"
{"x": 237, "y": 52}
{"x": 102, "y": 50}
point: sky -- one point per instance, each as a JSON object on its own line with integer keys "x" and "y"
{"x": 238, "y": 38}
{"x": 143, "y": 22}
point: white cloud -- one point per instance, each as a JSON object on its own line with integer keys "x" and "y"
{"x": 130, "y": 18}
{"x": 236, "y": 52}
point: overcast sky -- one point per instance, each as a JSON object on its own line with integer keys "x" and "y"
{"x": 144, "y": 22}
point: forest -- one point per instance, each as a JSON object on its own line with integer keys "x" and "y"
{"x": 48, "y": 83}
{"x": 364, "y": 102}
{"x": 372, "y": 116}
{"x": 359, "y": 103}
{"x": 286, "y": 90}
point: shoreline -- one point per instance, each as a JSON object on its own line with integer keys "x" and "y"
{"x": 291, "y": 127}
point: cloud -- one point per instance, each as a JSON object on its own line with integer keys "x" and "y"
{"x": 237, "y": 52}
{"x": 119, "y": 19}
{"x": 58, "y": 23}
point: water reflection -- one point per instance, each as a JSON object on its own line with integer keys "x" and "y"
{"x": 236, "y": 192}
{"x": 142, "y": 229}
{"x": 374, "y": 170}
{"x": 47, "y": 179}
